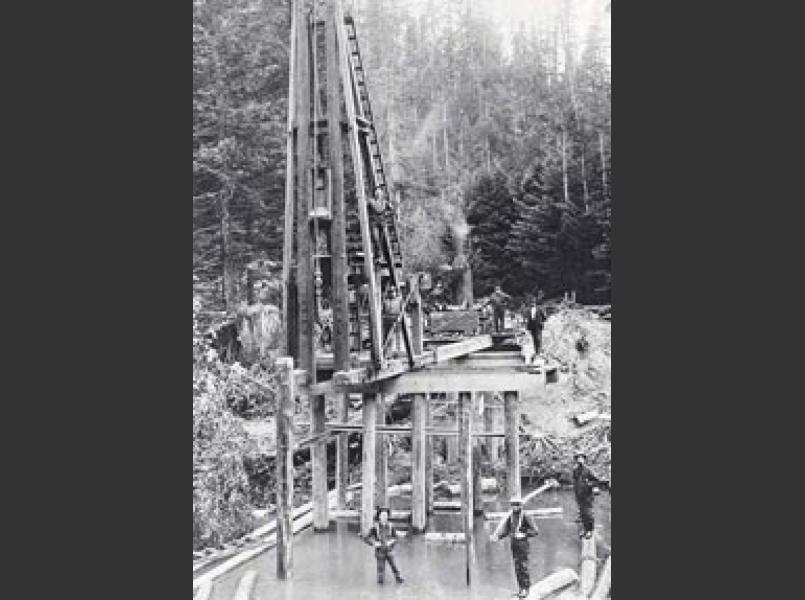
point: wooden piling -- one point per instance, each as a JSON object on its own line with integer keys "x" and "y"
{"x": 465, "y": 463}
{"x": 511, "y": 427}
{"x": 368, "y": 462}
{"x": 342, "y": 453}
{"x": 418, "y": 479}
{"x": 588, "y": 565}
{"x": 305, "y": 295}
{"x": 428, "y": 460}
{"x": 603, "y": 587}
{"x": 452, "y": 441}
{"x": 284, "y": 466}
{"x": 340, "y": 290}
{"x": 492, "y": 443}
{"x": 318, "y": 460}
{"x": 381, "y": 456}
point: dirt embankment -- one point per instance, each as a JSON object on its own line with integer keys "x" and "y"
{"x": 573, "y": 414}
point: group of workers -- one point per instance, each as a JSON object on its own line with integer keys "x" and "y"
{"x": 517, "y": 526}
{"x": 534, "y": 314}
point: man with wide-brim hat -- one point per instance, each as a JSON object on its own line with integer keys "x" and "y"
{"x": 383, "y": 536}
{"x": 520, "y": 527}
{"x": 584, "y": 485}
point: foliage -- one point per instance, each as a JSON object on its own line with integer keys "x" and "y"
{"x": 222, "y": 493}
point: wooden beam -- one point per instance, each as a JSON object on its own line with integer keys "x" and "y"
{"x": 539, "y": 513}
{"x": 455, "y": 380}
{"x": 284, "y": 466}
{"x": 465, "y": 465}
{"x": 511, "y": 425}
{"x": 368, "y": 462}
{"x": 418, "y": 482}
{"x": 462, "y": 348}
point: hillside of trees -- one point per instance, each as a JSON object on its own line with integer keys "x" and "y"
{"x": 499, "y": 140}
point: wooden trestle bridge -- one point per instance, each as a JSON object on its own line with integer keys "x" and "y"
{"x": 342, "y": 256}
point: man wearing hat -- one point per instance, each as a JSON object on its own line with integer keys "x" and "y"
{"x": 584, "y": 483}
{"x": 383, "y": 537}
{"x": 520, "y": 527}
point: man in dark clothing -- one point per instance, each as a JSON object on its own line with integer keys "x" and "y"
{"x": 383, "y": 537}
{"x": 520, "y": 527}
{"x": 584, "y": 483}
{"x": 535, "y": 320}
{"x": 498, "y": 300}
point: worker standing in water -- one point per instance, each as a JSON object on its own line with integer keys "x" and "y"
{"x": 585, "y": 487}
{"x": 520, "y": 527}
{"x": 383, "y": 536}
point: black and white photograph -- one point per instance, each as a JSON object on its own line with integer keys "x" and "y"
{"x": 402, "y": 299}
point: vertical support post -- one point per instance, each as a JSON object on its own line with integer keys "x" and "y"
{"x": 511, "y": 426}
{"x": 304, "y": 257}
{"x": 488, "y": 426}
{"x": 418, "y": 480}
{"x": 417, "y": 331}
{"x": 465, "y": 463}
{"x": 452, "y": 441}
{"x": 340, "y": 290}
{"x": 318, "y": 459}
{"x": 368, "y": 462}
{"x": 475, "y": 445}
{"x": 428, "y": 459}
{"x": 288, "y": 295}
{"x": 588, "y": 565}
{"x": 342, "y": 453}
{"x": 284, "y": 465}
{"x": 381, "y": 452}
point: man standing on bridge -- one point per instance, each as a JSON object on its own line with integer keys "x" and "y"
{"x": 498, "y": 300}
{"x": 383, "y": 536}
{"x": 584, "y": 483}
{"x": 520, "y": 527}
{"x": 535, "y": 320}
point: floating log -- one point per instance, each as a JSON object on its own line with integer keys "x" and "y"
{"x": 552, "y": 583}
{"x": 204, "y": 591}
{"x": 451, "y": 538}
{"x": 586, "y": 417}
{"x": 246, "y": 585}
{"x": 588, "y": 565}
{"x": 602, "y": 588}
{"x": 535, "y": 512}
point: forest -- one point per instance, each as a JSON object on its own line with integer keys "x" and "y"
{"x": 499, "y": 141}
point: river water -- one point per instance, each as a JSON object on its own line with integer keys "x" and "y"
{"x": 338, "y": 565}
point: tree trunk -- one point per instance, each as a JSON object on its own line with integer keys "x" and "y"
{"x": 564, "y": 166}
{"x": 227, "y": 279}
{"x": 584, "y": 179}
{"x": 603, "y": 162}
